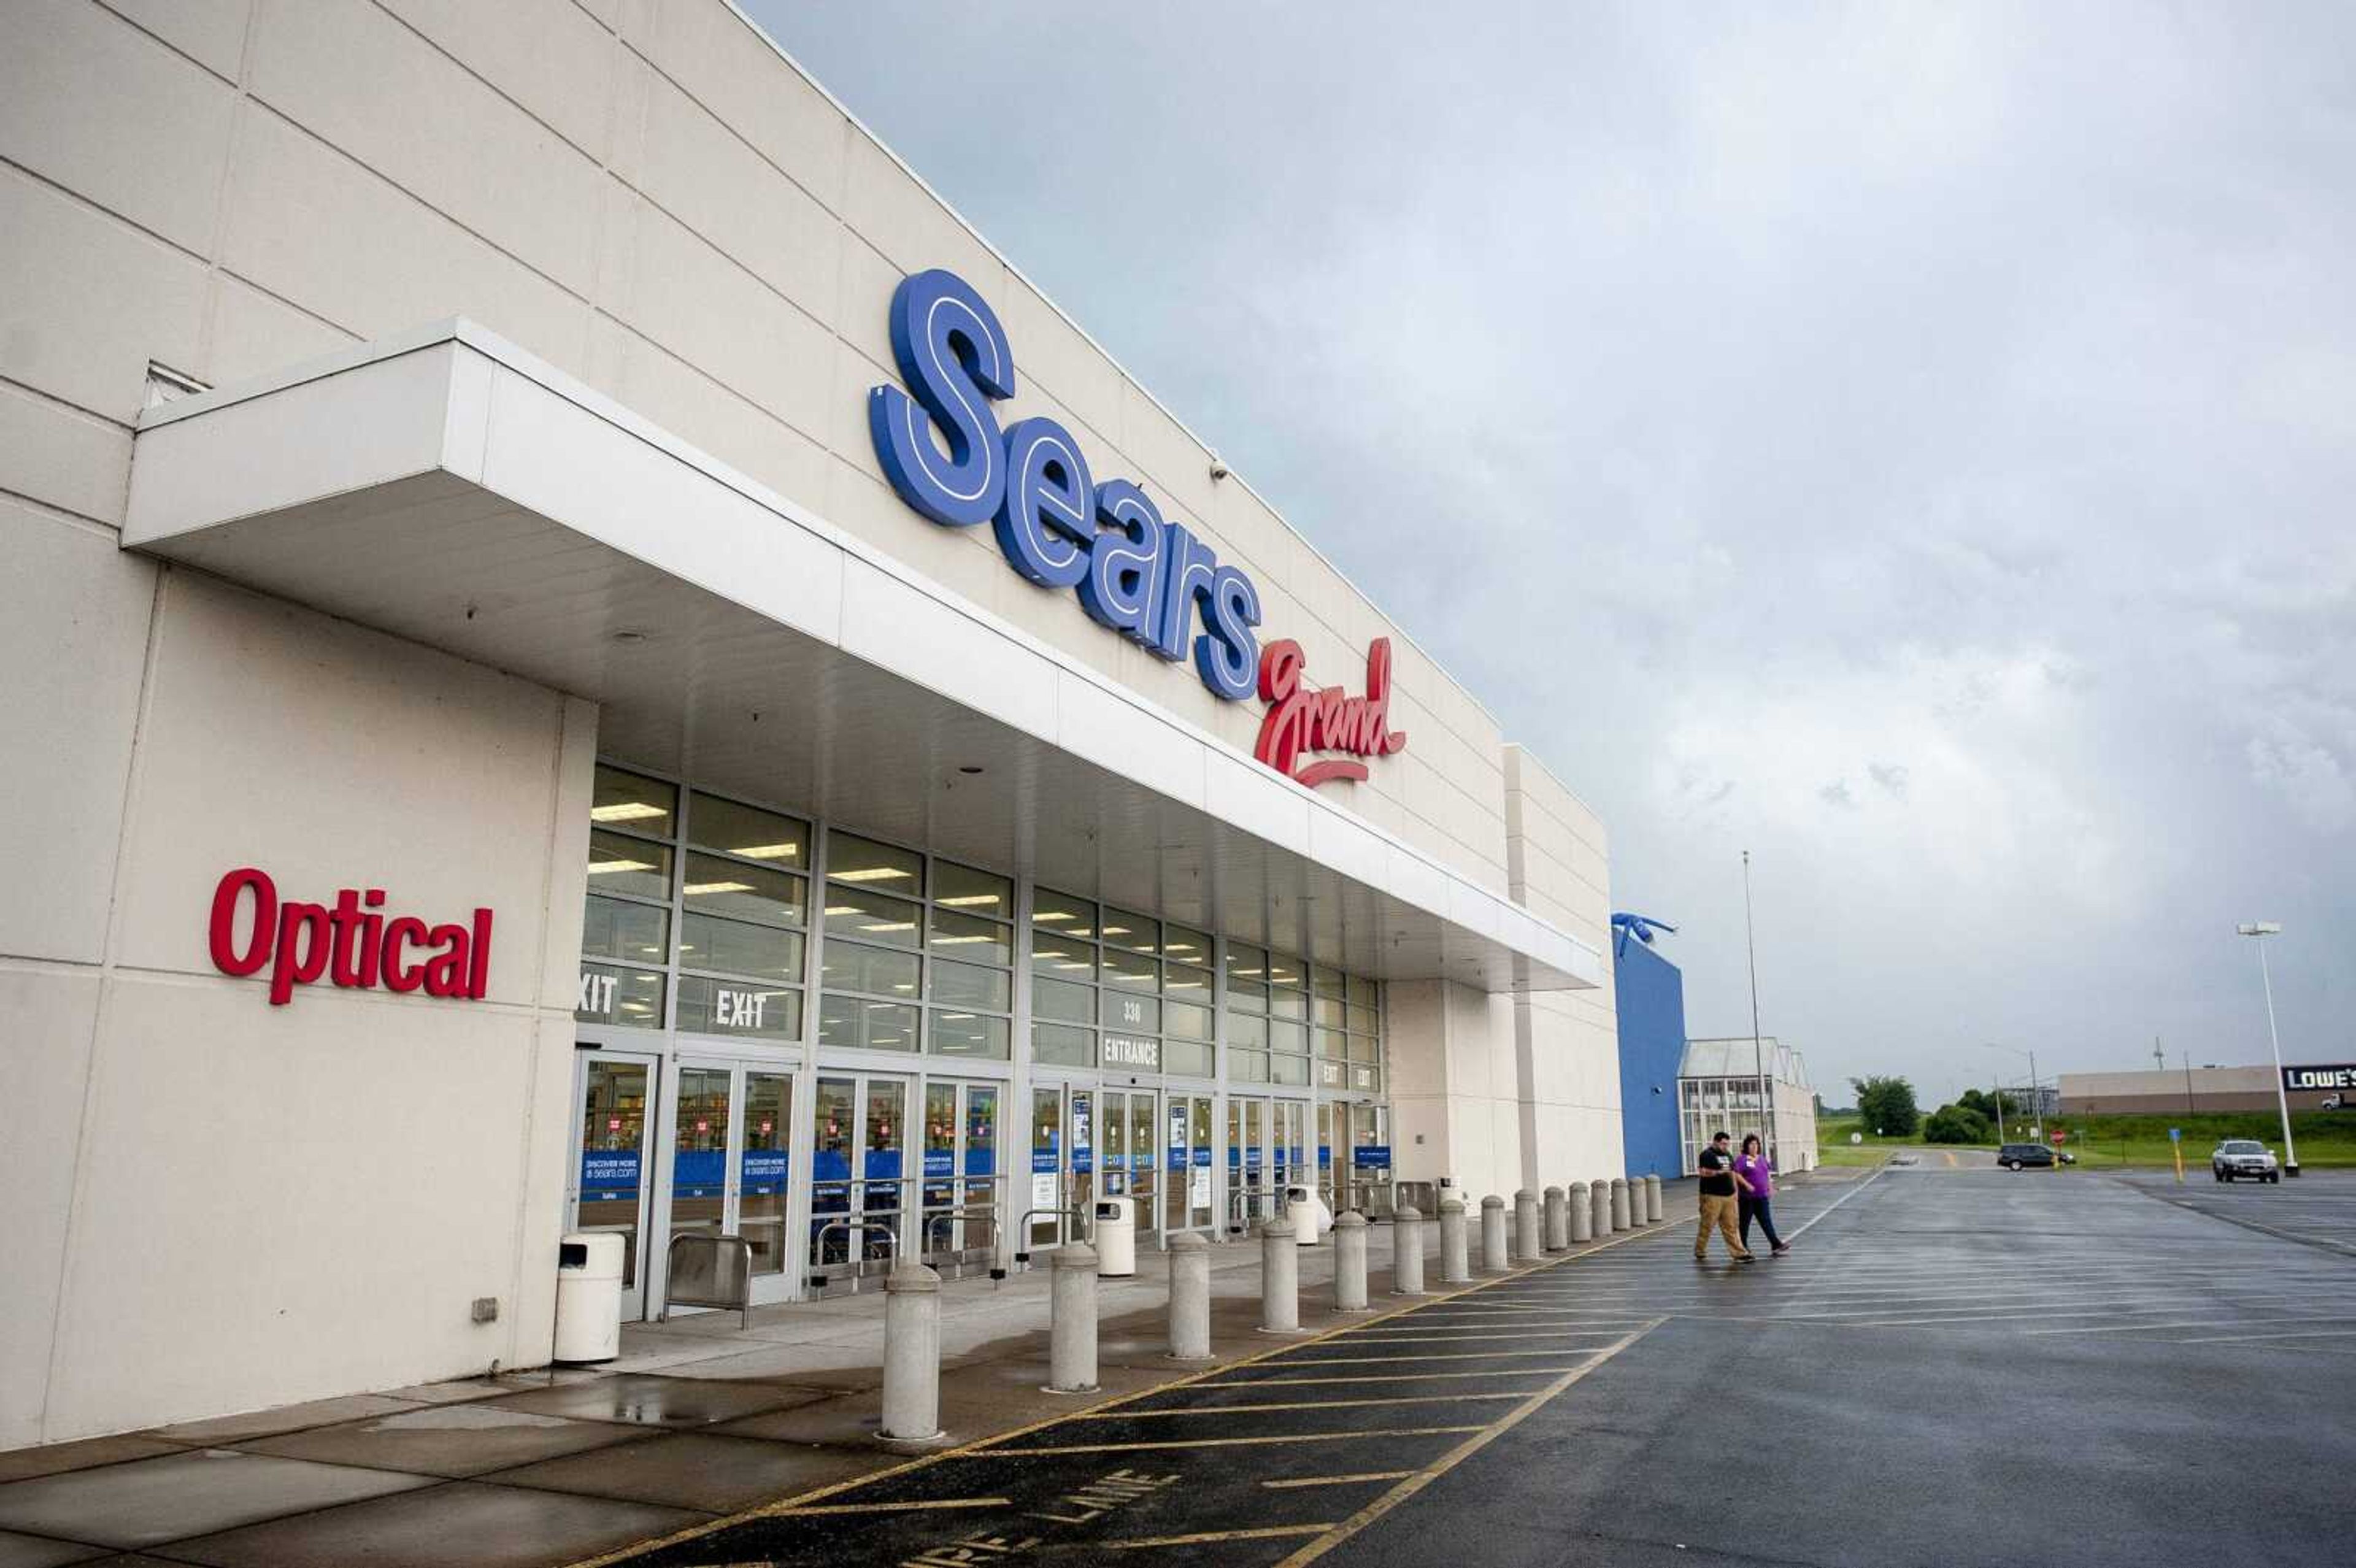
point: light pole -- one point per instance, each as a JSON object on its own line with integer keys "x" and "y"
{"x": 2262, "y": 929}
{"x": 1757, "y": 1052}
{"x": 2036, "y": 1106}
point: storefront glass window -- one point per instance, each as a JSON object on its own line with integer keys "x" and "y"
{"x": 902, "y": 931}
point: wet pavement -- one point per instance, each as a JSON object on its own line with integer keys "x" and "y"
{"x": 548, "y": 1467}
{"x": 1965, "y": 1366}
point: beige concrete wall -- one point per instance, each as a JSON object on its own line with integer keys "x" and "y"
{"x": 1455, "y": 1106}
{"x": 1566, "y": 1044}
{"x": 649, "y": 196}
{"x": 191, "y": 1166}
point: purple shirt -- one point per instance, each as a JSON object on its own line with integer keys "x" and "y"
{"x": 1758, "y": 1170}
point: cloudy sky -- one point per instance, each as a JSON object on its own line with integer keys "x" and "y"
{"x": 1916, "y": 445}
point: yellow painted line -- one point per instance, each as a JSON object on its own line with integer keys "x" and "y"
{"x": 1233, "y": 1442}
{"x": 1475, "y": 1338}
{"x": 906, "y": 1507}
{"x": 1128, "y": 1414}
{"x": 986, "y": 1446}
{"x": 1454, "y": 1457}
{"x": 1392, "y": 1377}
{"x": 1337, "y": 1480}
{"x": 1447, "y": 1356}
{"x": 1264, "y": 1532}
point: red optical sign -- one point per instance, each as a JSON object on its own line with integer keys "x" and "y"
{"x": 348, "y": 942}
{"x": 1301, "y": 720}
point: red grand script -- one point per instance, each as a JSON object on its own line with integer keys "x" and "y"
{"x": 1328, "y": 719}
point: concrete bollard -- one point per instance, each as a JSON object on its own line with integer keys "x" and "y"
{"x": 1558, "y": 1221}
{"x": 1072, "y": 1321}
{"x": 1190, "y": 1297}
{"x": 1652, "y": 1199}
{"x": 1455, "y": 1264}
{"x": 1620, "y": 1220}
{"x": 1407, "y": 1251}
{"x": 911, "y": 1359}
{"x": 1582, "y": 1214}
{"x": 1602, "y": 1207}
{"x": 1349, "y": 1262}
{"x": 1530, "y": 1244}
{"x": 1492, "y": 1235}
{"x": 1279, "y": 1279}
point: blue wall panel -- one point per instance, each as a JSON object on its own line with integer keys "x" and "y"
{"x": 1652, "y": 998}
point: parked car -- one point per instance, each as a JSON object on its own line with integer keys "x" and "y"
{"x": 2012, "y": 1157}
{"x": 2237, "y": 1157}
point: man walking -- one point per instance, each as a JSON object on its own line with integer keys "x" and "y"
{"x": 1717, "y": 1167}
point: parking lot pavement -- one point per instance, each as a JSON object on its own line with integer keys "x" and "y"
{"x": 2318, "y": 1208}
{"x": 1254, "y": 1462}
{"x": 1953, "y": 1366}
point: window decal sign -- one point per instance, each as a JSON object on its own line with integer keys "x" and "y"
{"x": 349, "y": 942}
{"x": 1301, "y": 720}
{"x": 940, "y": 446}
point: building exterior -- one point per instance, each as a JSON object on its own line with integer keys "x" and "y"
{"x": 1718, "y": 1090}
{"x": 590, "y": 656}
{"x": 2192, "y": 1091}
{"x": 1650, "y": 993}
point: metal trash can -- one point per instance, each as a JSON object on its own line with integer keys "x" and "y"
{"x": 1116, "y": 1238}
{"x": 589, "y": 1296}
{"x": 1307, "y": 1214}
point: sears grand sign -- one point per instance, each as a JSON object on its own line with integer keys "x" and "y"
{"x": 1137, "y": 573}
{"x": 2342, "y": 1076}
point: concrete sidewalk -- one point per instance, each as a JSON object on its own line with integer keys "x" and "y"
{"x": 698, "y": 1419}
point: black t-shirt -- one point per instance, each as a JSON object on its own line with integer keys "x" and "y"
{"x": 1717, "y": 1172}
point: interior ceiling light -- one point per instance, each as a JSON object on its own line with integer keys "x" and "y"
{"x": 870, "y": 874}
{"x": 768, "y": 851}
{"x": 600, "y": 868}
{"x": 970, "y": 899}
{"x": 693, "y": 888}
{"x": 626, "y": 811}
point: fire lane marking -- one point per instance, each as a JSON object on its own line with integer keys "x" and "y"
{"x": 906, "y": 1506}
{"x": 1395, "y": 1377}
{"x": 1261, "y": 1532}
{"x": 1295, "y": 1481}
{"x": 1233, "y": 1442}
{"x": 1131, "y": 1413}
{"x": 1481, "y": 1438}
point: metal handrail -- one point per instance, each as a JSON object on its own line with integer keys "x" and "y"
{"x": 1022, "y": 1227}
{"x": 819, "y": 1279}
{"x": 742, "y": 1302}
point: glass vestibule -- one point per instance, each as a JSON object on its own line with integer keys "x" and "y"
{"x": 747, "y": 948}
{"x": 1353, "y": 1156}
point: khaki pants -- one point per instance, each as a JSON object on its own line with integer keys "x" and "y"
{"x": 1718, "y": 1214}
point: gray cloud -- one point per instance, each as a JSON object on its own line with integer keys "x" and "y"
{"x": 1738, "y": 399}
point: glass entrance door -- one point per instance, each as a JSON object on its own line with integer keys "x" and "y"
{"x": 1063, "y": 1164}
{"x": 961, "y": 1179}
{"x": 859, "y": 1178}
{"x": 1132, "y": 1153}
{"x": 608, "y": 1186}
{"x": 1186, "y": 1166}
{"x": 1251, "y": 1199}
{"x": 730, "y": 1141}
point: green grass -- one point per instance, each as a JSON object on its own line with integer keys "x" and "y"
{"x": 2326, "y": 1139}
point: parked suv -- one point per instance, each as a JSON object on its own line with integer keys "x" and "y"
{"x": 2012, "y": 1157}
{"x": 2244, "y": 1157}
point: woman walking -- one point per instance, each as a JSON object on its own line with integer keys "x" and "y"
{"x": 1756, "y": 1174}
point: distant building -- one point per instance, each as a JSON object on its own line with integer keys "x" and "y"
{"x": 2040, "y": 1102}
{"x": 2160, "y": 1092}
{"x": 1652, "y": 1007}
{"x": 1718, "y": 1090}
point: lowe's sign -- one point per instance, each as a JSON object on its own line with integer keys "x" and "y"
{"x": 1061, "y": 527}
